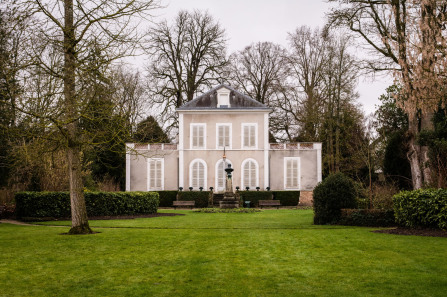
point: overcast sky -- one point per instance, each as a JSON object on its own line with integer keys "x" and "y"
{"x": 248, "y": 21}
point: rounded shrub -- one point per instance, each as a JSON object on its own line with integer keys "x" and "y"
{"x": 337, "y": 191}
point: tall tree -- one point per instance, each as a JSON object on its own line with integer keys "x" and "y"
{"x": 407, "y": 38}
{"x": 260, "y": 70}
{"x": 71, "y": 28}
{"x": 309, "y": 61}
{"x": 185, "y": 57}
{"x": 12, "y": 24}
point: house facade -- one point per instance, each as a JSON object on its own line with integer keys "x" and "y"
{"x": 223, "y": 122}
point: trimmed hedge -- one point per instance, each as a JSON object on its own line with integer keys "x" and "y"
{"x": 255, "y": 196}
{"x": 166, "y": 198}
{"x": 287, "y": 198}
{"x": 335, "y": 192}
{"x": 57, "y": 204}
{"x": 367, "y": 217}
{"x": 421, "y": 208}
{"x": 201, "y": 198}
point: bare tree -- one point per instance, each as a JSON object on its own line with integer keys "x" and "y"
{"x": 185, "y": 57}
{"x": 309, "y": 61}
{"x": 406, "y": 38}
{"x": 260, "y": 70}
{"x": 70, "y": 29}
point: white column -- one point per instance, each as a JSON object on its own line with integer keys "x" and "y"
{"x": 266, "y": 151}
{"x": 318, "y": 146}
{"x": 180, "y": 153}
{"x": 129, "y": 148}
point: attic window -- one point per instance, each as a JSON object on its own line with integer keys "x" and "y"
{"x": 223, "y": 99}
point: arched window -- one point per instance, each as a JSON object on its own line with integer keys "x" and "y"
{"x": 249, "y": 174}
{"x": 197, "y": 174}
{"x": 220, "y": 174}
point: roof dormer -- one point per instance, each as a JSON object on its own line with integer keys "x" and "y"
{"x": 223, "y": 98}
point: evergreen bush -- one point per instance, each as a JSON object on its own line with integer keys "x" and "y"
{"x": 421, "y": 208}
{"x": 287, "y": 198}
{"x": 335, "y": 192}
{"x": 367, "y": 217}
{"x": 166, "y": 198}
{"x": 255, "y": 196}
{"x": 200, "y": 197}
{"x": 57, "y": 204}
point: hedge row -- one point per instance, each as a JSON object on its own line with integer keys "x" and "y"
{"x": 57, "y": 204}
{"x": 287, "y": 198}
{"x": 167, "y": 197}
{"x": 255, "y": 196}
{"x": 421, "y": 208}
{"x": 367, "y": 217}
{"x": 200, "y": 197}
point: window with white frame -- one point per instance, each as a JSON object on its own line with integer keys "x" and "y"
{"x": 249, "y": 135}
{"x": 249, "y": 174}
{"x": 155, "y": 170}
{"x": 292, "y": 173}
{"x": 198, "y": 136}
{"x": 223, "y": 135}
{"x": 197, "y": 174}
{"x": 221, "y": 174}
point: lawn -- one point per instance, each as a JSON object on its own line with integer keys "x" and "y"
{"x": 273, "y": 253}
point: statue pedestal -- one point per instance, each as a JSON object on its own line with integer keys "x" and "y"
{"x": 229, "y": 201}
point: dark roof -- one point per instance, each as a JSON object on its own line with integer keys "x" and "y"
{"x": 209, "y": 101}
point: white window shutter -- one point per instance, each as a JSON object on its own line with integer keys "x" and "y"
{"x": 252, "y": 136}
{"x": 246, "y": 136}
{"x": 198, "y": 175}
{"x": 252, "y": 175}
{"x": 221, "y": 136}
{"x": 220, "y": 176}
{"x": 158, "y": 174}
{"x": 226, "y": 136}
{"x": 291, "y": 173}
{"x": 247, "y": 174}
{"x": 201, "y": 136}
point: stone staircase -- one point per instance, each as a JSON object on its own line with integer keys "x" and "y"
{"x": 217, "y": 197}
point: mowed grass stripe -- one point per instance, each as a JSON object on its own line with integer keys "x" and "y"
{"x": 37, "y": 261}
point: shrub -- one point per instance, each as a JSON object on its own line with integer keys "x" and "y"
{"x": 421, "y": 208}
{"x": 57, "y": 204}
{"x": 383, "y": 196}
{"x": 200, "y": 197}
{"x": 287, "y": 198}
{"x": 367, "y": 217}
{"x": 255, "y": 196}
{"x": 330, "y": 196}
{"x": 167, "y": 197}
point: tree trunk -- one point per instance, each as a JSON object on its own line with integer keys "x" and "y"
{"x": 79, "y": 221}
{"x": 417, "y": 155}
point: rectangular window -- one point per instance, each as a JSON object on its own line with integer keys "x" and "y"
{"x": 292, "y": 173}
{"x": 249, "y": 136}
{"x": 198, "y": 136}
{"x": 155, "y": 174}
{"x": 223, "y": 135}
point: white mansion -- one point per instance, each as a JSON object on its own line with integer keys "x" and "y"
{"x": 222, "y": 119}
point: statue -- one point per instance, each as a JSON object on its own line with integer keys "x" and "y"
{"x": 229, "y": 200}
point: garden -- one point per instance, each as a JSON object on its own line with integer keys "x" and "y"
{"x": 268, "y": 253}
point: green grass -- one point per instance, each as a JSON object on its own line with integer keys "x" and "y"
{"x": 272, "y": 253}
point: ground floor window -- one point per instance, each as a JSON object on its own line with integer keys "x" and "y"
{"x": 197, "y": 174}
{"x": 292, "y": 173}
{"x": 155, "y": 174}
{"x": 250, "y": 174}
